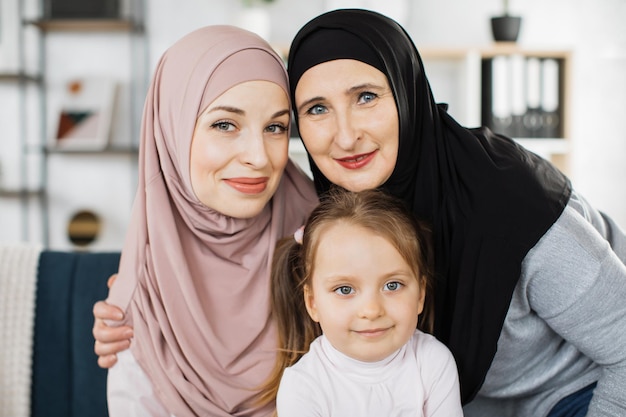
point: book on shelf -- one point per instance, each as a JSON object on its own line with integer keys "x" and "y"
{"x": 522, "y": 96}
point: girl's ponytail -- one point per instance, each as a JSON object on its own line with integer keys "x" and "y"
{"x": 296, "y": 330}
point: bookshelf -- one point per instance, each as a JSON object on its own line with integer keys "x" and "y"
{"x": 107, "y": 171}
{"x": 22, "y": 198}
{"x": 41, "y": 183}
{"x": 464, "y": 78}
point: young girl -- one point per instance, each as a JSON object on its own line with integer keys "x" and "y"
{"x": 351, "y": 289}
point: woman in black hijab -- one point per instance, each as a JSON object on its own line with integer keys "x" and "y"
{"x": 490, "y": 202}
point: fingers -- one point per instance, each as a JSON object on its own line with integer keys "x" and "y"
{"x": 107, "y": 334}
{"x": 104, "y": 311}
{"x": 110, "y": 341}
{"x": 107, "y": 361}
{"x": 111, "y": 280}
{"x": 110, "y": 348}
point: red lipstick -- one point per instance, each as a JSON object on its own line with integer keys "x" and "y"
{"x": 356, "y": 161}
{"x": 248, "y": 185}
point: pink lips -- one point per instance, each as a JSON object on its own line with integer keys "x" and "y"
{"x": 372, "y": 332}
{"x": 356, "y": 161}
{"x": 248, "y": 185}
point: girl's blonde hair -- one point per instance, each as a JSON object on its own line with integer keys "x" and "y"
{"x": 293, "y": 264}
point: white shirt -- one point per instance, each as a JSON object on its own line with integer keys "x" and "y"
{"x": 419, "y": 380}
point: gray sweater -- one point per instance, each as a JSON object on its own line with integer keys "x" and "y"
{"x": 566, "y": 325}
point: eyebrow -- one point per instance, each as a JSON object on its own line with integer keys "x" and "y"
{"x": 365, "y": 86}
{"x": 280, "y": 113}
{"x": 226, "y": 108}
{"x": 239, "y": 111}
{"x": 308, "y": 102}
{"x": 349, "y": 91}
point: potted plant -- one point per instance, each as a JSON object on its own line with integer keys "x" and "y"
{"x": 505, "y": 28}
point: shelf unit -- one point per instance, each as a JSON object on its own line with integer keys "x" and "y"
{"x": 21, "y": 82}
{"x": 38, "y": 182}
{"x": 121, "y": 152}
{"x": 456, "y": 78}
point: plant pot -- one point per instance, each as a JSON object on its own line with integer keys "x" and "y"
{"x": 505, "y": 28}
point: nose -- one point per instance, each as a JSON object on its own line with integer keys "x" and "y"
{"x": 371, "y": 306}
{"x": 254, "y": 151}
{"x": 347, "y": 132}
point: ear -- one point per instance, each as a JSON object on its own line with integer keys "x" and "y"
{"x": 309, "y": 302}
{"x": 422, "y": 295}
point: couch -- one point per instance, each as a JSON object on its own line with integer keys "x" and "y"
{"x": 66, "y": 380}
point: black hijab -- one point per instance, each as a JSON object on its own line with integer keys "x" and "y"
{"x": 489, "y": 200}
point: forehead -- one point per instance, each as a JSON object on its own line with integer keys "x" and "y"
{"x": 339, "y": 73}
{"x": 252, "y": 91}
{"x": 347, "y": 250}
{"x": 345, "y": 236}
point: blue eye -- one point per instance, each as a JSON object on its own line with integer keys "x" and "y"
{"x": 317, "y": 109}
{"x": 223, "y": 126}
{"x": 276, "y": 128}
{"x": 366, "y": 97}
{"x": 393, "y": 286}
{"x": 344, "y": 290}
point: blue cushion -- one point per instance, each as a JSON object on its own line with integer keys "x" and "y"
{"x": 67, "y": 381}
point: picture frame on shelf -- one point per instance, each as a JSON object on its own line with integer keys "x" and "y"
{"x": 85, "y": 115}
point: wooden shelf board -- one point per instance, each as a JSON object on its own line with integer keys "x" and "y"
{"x": 489, "y": 51}
{"x": 107, "y": 150}
{"x": 19, "y": 193}
{"x": 511, "y": 48}
{"x": 18, "y": 76}
{"x": 86, "y": 25}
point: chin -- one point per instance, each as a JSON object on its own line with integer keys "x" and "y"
{"x": 248, "y": 210}
{"x": 244, "y": 213}
{"x": 356, "y": 186}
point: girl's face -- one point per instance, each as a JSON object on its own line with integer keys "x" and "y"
{"x": 239, "y": 148}
{"x": 363, "y": 294}
{"x": 348, "y": 122}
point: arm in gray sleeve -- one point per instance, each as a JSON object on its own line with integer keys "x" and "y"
{"x": 578, "y": 286}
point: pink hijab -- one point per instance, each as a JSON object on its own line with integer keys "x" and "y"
{"x": 195, "y": 283}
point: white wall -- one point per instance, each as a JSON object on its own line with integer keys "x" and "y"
{"x": 592, "y": 29}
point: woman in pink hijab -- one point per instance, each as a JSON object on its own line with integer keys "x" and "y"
{"x": 216, "y": 191}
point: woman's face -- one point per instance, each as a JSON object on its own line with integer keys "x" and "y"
{"x": 348, "y": 121}
{"x": 239, "y": 148}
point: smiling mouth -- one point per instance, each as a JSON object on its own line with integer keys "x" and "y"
{"x": 248, "y": 185}
{"x": 356, "y": 161}
{"x": 372, "y": 332}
